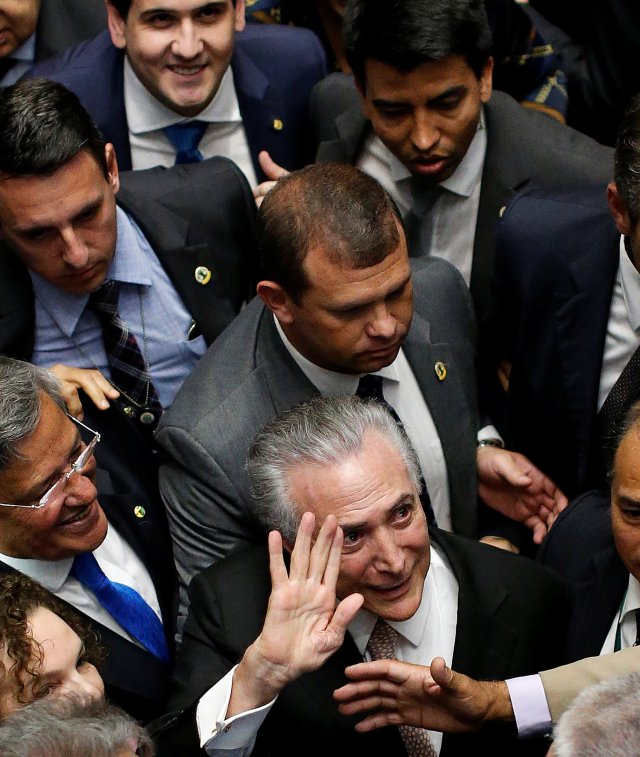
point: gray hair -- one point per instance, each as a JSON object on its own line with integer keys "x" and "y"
{"x": 71, "y": 727}
{"x": 323, "y": 431}
{"x": 21, "y": 385}
{"x": 603, "y": 719}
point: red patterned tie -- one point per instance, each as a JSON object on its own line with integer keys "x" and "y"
{"x": 381, "y": 646}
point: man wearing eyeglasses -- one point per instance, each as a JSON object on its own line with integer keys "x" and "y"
{"x": 111, "y": 560}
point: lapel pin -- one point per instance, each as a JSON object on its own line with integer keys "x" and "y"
{"x": 202, "y": 275}
{"x": 441, "y": 370}
{"x": 501, "y": 211}
{"x": 277, "y": 124}
{"x": 139, "y": 511}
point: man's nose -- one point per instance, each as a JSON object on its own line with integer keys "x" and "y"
{"x": 383, "y": 323}
{"x": 424, "y": 134}
{"x": 74, "y": 253}
{"x": 188, "y": 43}
{"x": 79, "y": 490}
{"x": 389, "y": 555}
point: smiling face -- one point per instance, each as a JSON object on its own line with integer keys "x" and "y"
{"x": 426, "y": 117}
{"x": 350, "y": 320}
{"x": 59, "y": 665}
{"x": 386, "y": 554}
{"x": 18, "y": 19}
{"x": 625, "y": 501}
{"x": 63, "y": 226}
{"x": 179, "y": 49}
{"x": 70, "y": 524}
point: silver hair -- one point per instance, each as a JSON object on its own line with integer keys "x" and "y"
{"x": 323, "y": 431}
{"x": 21, "y": 387}
{"x": 603, "y": 720}
{"x": 72, "y": 727}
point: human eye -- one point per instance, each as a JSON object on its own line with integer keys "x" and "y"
{"x": 36, "y": 235}
{"x": 352, "y": 539}
{"x": 212, "y": 12}
{"x": 45, "y": 689}
{"x": 159, "y": 20}
{"x": 403, "y": 513}
{"x": 87, "y": 215}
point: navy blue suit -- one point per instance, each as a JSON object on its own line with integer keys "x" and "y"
{"x": 274, "y": 68}
{"x": 556, "y": 263}
{"x": 134, "y": 678}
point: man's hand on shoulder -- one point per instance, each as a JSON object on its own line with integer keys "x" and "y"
{"x": 303, "y": 626}
{"x": 92, "y": 383}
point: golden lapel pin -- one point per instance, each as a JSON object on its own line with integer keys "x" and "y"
{"x": 441, "y": 370}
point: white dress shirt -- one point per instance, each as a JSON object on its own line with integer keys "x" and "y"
{"x": 118, "y": 562}
{"x": 454, "y": 213}
{"x": 402, "y": 392}
{"x": 626, "y": 619}
{"x": 147, "y": 117}
{"x": 429, "y": 633}
{"x": 623, "y": 327}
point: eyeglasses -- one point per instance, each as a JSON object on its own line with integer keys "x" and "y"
{"x": 77, "y": 466}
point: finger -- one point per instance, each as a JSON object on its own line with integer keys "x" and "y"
{"x": 269, "y": 167}
{"x": 345, "y": 612}
{"x": 332, "y": 569}
{"x": 561, "y": 501}
{"x": 365, "y": 689}
{"x": 322, "y": 548}
{"x": 72, "y": 400}
{"x": 441, "y": 674}
{"x": 99, "y": 391}
{"x": 388, "y": 669}
{"x": 366, "y": 704}
{"x": 379, "y": 720}
{"x": 277, "y": 568}
{"x": 302, "y": 548}
{"x": 263, "y": 189}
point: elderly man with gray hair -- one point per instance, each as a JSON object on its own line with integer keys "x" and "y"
{"x": 363, "y": 576}
{"x": 111, "y": 560}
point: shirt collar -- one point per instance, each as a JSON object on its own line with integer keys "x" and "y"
{"x": 632, "y": 597}
{"x": 332, "y": 383}
{"x": 48, "y": 573}
{"x": 146, "y": 113}
{"x": 129, "y": 265}
{"x": 412, "y": 629}
{"x": 26, "y": 51}
{"x": 630, "y": 281}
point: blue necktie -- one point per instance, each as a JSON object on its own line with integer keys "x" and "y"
{"x": 185, "y": 138}
{"x": 124, "y": 605}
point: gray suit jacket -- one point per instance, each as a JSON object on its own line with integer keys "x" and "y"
{"x": 524, "y": 148}
{"x": 247, "y": 377}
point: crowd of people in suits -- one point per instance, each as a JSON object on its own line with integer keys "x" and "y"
{"x": 319, "y": 376}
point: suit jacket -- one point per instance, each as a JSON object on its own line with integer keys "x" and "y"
{"x": 524, "y": 148}
{"x": 557, "y": 258}
{"x": 193, "y": 215}
{"x": 580, "y": 547}
{"x": 274, "y": 69}
{"x": 63, "y": 23}
{"x": 135, "y": 679}
{"x": 248, "y": 377}
{"x": 508, "y": 610}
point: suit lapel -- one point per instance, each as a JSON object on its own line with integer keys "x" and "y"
{"x": 352, "y": 129}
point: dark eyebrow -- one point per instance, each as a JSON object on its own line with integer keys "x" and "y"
{"x": 92, "y": 205}
{"x": 628, "y": 501}
{"x": 454, "y": 91}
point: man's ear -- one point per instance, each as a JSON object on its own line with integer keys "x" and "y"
{"x": 116, "y": 25}
{"x": 276, "y": 299}
{"x": 486, "y": 80}
{"x": 113, "y": 174}
{"x": 240, "y": 20}
{"x": 618, "y": 210}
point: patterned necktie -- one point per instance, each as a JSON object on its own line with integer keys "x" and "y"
{"x": 186, "y": 138}
{"x": 370, "y": 387}
{"x": 127, "y": 365}
{"x": 623, "y": 394}
{"x": 124, "y": 604}
{"x": 382, "y": 646}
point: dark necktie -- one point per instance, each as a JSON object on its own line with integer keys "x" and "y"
{"x": 381, "y": 646}
{"x": 6, "y": 64}
{"x": 186, "y": 138}
{"x": 419, "y": 219}
{"x": 370, "y": 387}
{"x": 124, "y": 604}
{"x": 623, "y": 394}
{"x": 129, "y": 372}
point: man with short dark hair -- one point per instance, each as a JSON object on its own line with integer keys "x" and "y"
{"x": 178, "y": 80}
{"x": 366, "y": 578}
{"x": 111, "y": 560}
{"x": 422, "y": 119}
{"x": 122, "y": 296}
{"x": 37, "y": 29}
{"x": 339, "y": 310}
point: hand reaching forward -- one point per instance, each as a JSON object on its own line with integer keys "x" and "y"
{"x": 436, "y": 698}
{"x": 303, "y": 626}
{"x": 90, "y": 380}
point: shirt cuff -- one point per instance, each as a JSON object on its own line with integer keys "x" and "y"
{"x": 236, "y": 732}
{"x": 489, "y": 432}
{"x": 530, "y": 706}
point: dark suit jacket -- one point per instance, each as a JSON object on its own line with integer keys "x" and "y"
{"x": 580, "y": 547}
{"x": 274, "y": 69}
{"x": 134, "y": 678}
{"x": 524, "y": 148}
{"x": 248, "y": 377}
{"x": 192, "y": 215}
{"x": 557, "y": 257}
{"x": 63, "y": 23}
{"x": 508, "y": 611}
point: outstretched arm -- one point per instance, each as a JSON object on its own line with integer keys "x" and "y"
{"x": 433, "y": 697}
{"x": 303, "y": 626}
